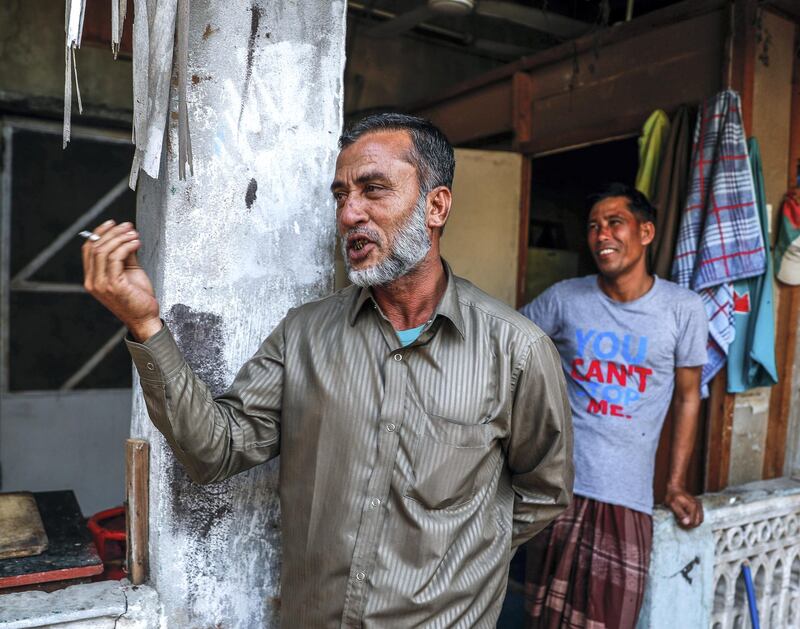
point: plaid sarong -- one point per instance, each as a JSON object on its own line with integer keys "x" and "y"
{"x": 720, "y": 239}
{"x": 588, "y": 568}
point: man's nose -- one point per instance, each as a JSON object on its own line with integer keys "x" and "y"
{"x": 353, "y": 211}
{"x": 603, "y": 232}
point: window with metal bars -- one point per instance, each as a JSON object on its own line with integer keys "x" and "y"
{"x": 53, "y": 335}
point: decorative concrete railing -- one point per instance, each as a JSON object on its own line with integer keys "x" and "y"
{"x": 696, "y": 576}
{"x": 766, "y": 533}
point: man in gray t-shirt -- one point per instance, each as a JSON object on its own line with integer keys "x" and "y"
{"x": 630, "y": 344}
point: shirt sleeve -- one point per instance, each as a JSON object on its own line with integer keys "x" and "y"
{"x": 539, "y": 447}
{"x": 543, "y": 311}
{"x": 213, "y": 438}
{"x": 690, "y": 350}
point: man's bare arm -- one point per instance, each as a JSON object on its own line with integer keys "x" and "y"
{"x": 686, "y": 411}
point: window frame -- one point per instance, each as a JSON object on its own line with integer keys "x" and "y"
{"x": 8, "y": 125}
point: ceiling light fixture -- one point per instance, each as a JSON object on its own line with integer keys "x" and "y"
{"x": 452, "y": 7}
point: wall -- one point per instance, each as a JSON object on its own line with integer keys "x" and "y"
{"x": 398, "y": 71}
{"x": 792, "y": 463}
{"x": 481, "y": 239}
{"x": 32, "y": 60}
{"x": 71, "y": 440}
{"x": 772, "y": 92}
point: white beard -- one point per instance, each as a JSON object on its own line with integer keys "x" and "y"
{"x": 409, "y": 248}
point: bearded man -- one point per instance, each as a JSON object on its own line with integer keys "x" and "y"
{"x": 423, "y": 427}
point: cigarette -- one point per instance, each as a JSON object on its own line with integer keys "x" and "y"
{"x": 89, "y": 236}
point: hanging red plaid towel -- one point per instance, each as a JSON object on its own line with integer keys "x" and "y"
{"x": 588, "y": 568}
{"x": 719, "y": 240}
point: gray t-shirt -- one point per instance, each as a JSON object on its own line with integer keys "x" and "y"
{"x": 620, "y": 360}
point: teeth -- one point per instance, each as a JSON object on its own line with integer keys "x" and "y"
{"x": 359, "y": 245}
{"x": 605, "y": 251}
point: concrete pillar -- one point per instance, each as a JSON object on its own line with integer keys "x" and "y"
{"x": 230, "y": 250}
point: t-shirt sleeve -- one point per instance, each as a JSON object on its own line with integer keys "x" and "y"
{"x": 692, "y": 335}
{"x": 543, "y": 311}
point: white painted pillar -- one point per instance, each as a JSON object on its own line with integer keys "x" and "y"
{"x": 229, "y": 251}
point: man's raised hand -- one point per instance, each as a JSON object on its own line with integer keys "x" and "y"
{"x": 112, "y": 275}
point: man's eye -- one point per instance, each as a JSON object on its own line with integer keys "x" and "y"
{"x": 371, "y": 188}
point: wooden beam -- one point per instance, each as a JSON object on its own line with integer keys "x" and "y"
{"x": 794, "y": 131}
{"x": 587, "y": 99}
{"x": 781, "y": 398}
{"x": 474, "y": 115}
{"x": 524, "y": 227}
{"x": 137, "y": 521}
{"x": 719, "y": 429}
{"x": 788, "y": 319}
{"x": 789, "y": 9}
{"x": 741, "y": 58}
{"x": 521, "y": 108}
{"x": 618, "y": 32}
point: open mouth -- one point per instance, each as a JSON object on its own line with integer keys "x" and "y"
{"x": 359, "y": 247}
{"x": 605, "y": 251}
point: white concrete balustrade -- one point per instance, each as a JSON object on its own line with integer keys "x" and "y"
{"x": 696, "y": 576}
{"x": 766, "y": 533}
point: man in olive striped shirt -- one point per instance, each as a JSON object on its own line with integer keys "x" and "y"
{"x": 423, "y": 427}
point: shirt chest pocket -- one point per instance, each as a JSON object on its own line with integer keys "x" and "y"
{"x": 451, "y": 462}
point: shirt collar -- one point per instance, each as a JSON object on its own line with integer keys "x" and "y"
{"x": 448, "y": 306}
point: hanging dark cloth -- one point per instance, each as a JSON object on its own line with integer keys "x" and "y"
{"x": 670, "y": 192}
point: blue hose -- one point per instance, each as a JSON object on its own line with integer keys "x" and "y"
{"x": 751, "y": 595}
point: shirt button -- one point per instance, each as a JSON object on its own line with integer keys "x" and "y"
{"x": 390, "y": 427}
{"x": 375, "y": 502}
{"x": 150, "y": 366}
{"x": 360, "y": 576}
{"x": 398, "y": 357}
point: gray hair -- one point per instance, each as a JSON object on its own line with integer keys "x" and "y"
{"x": 431, "y": 153}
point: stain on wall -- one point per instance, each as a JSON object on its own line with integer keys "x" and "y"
{"x": 250, "y": 195}
{"x": 201, "y": 336}
{"x": 255, "y": 18}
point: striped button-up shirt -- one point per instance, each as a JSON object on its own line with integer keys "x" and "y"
{"x": 408, "y": 475}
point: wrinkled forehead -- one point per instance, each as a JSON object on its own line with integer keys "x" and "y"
{"x": 383, "y": 157}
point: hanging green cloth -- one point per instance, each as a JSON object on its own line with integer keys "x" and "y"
{"x": 651, "y": 144}
{"x": 751, "y": 355}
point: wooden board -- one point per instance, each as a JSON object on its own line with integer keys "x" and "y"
{"x": 21, "y": 530}
{"x": 71, "y": 556}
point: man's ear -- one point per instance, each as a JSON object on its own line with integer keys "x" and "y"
{"x": 648, "y": 232}
{"x": 439, "y": 201}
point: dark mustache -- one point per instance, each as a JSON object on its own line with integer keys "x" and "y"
{"x": 363, "y": 231}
